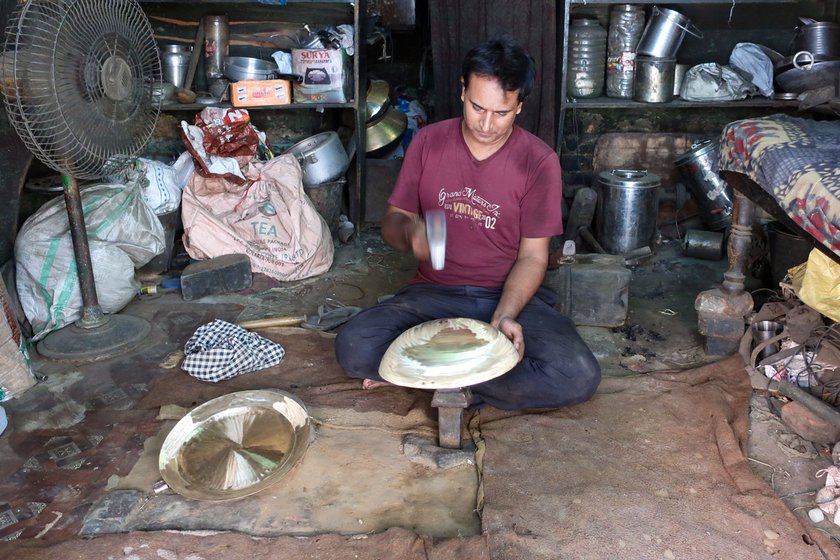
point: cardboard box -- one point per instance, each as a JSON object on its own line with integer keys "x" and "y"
{"x": 326, "y": 75}
{"x": 256, "y": 93}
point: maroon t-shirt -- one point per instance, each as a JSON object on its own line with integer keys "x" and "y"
{"x": 490, "y": 205}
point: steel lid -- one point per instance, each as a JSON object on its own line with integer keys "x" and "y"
{"x": 629, "y": 179}
{"x": 697, "y": 149}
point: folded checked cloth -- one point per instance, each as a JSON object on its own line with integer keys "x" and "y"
{"x": 220, "y": 350}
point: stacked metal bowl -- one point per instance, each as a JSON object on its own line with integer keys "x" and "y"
{"x": 815, "y": 62}
{"x": 385, "y": 125}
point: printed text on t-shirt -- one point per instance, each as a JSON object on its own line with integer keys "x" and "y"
{"x": 466, "y": 203}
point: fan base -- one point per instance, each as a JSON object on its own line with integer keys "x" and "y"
{"x": 118, "y": 335}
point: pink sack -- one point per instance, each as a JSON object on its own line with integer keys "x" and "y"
{"x": 270, "y": 219}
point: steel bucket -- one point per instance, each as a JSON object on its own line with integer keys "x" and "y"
{"x": 699, "y": 167}
{"x": 628, "y": 201}
{"x": 664, "y": 33}
{"x": 654, "y": 82}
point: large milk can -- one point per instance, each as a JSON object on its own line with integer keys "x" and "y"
{"x": 699, "y": 167}
{"x": 625, "y": 218}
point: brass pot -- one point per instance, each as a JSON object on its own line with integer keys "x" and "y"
{"x": 377, "y": 99}
{"x": 385, "y": 130}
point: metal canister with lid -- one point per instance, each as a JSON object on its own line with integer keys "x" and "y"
{"x": 699, "y": 167}
{"x": 626, "y": 24}
{"x": 628, "y": 201}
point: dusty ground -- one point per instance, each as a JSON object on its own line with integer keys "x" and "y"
{"x": 105, "y": 418}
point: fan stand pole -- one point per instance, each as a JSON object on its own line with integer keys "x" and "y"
{"x": 92, "y": 315}
{"x": 95, "y": 335}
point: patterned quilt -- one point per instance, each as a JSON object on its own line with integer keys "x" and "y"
{"x": 795, "y": 160}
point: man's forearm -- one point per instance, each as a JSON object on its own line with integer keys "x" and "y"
{"x": 396, "y": 228}
{"x": 522, "y": 283}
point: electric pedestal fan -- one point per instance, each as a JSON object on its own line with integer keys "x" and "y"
{"x": 77, "y": 81}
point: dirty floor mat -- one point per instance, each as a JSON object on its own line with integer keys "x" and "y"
{"x": 652, "y": 467}
{"x": 309, "y": 370}
{"x": 354, "y": 478}
{"x": 393, "y": 544}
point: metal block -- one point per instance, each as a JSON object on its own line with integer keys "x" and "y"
{"x": 450, "y": 404}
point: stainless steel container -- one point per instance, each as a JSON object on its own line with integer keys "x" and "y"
{"x": 821, "y": 38}
{"x": 626, "y": 24}
{"x": 174, "y": 60}
{"x": 664, "y": 33}
{"x": 699, "y": 167}
{"x": 322, "y": 158}
{"x": 679, "y": 77}
{"x": 701, "y": 244}
{"x": 654, "y": 81}
{"x": 216, "y": 45}
{"x": 587, "y": 58}
{"x": 628, "y": 201}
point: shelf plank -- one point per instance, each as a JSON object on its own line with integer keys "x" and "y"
{"x": 613, "y": 103}
{"x": 255, "y": 2}
{"x": 676, "y": 2}
{"x": 228, "y": 105}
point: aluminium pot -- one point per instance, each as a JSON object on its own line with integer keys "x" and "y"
{"x": 817, "y": 37}
{"x": 322, "y": 158}
{"x": 245, "y": 68}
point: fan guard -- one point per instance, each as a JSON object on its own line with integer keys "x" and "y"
{"x": 77, "y": 77}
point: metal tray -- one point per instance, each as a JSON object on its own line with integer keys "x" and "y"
{"x": 235, "y": 445}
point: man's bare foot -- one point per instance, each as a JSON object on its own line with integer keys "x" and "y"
{"x": 368, "y": 384}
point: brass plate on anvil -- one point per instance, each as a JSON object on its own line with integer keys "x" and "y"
{"x": 448, "y": 354}
{"x": 235, "y": 445}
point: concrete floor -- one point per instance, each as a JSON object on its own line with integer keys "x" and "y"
{"x": 660, "y": 334}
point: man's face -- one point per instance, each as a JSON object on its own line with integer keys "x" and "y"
{"x": 489, "y": 110}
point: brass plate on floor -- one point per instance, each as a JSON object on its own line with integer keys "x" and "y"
{"x": 448, "y": 354}
{"x": 235, "y": 445}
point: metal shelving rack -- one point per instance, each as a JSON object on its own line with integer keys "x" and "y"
{"x": 604, "y": 102}
{"x": 357, "y": 104}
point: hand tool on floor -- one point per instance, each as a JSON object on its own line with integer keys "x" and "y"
{"x": 219, "y": 275}
{"x": 580, "y": 218}
{"x": 328, "y": 318}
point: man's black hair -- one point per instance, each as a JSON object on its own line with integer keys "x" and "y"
{"x": 504, "y": 59}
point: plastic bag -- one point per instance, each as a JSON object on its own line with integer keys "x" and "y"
{"x": 157, "y": 182}
{"x": 271, "y": 220}
{"x": 123, "y": 233}
{"x": 750, "y": 58}
{"x": 817, "y": 284}
{"x": 712, "y": 82}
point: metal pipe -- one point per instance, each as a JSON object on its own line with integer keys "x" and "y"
{"x": 92, "y": 315}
